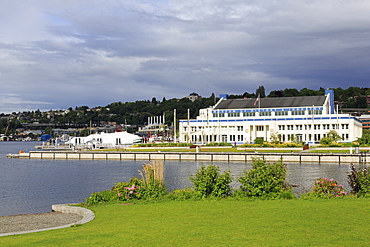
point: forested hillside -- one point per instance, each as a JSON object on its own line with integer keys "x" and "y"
{"x": 137, "y": 113}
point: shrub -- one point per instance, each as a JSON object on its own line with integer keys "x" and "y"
{"x": 258, "y": 140}
{"x": 215, "y": 144}
{"x": 325, "y": 188}
{"x": 152, "y": 183}
{"x": 264, "y": 179}
{"x": 101, "y": 197}
{"x": 359, "y": 180}
{"x": 127, "y": 190}
{"x": 208, "y": 181}
{"x": 184, "y": 194}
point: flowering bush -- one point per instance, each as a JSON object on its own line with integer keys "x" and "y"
{"x": 127, "y": 190}
{"x": 326, "y": 188}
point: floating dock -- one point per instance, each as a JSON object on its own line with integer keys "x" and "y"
{"x": 339, "y": 158}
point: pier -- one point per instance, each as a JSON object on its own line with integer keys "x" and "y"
{"x": 339, "y": 158}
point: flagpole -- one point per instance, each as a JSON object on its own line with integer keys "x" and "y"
{"x": 259, "y": 102}
{"x": 174, "y": 125}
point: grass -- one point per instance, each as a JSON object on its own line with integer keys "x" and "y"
{"x": 335, "y": 222}
{"x": 336, "y": 151}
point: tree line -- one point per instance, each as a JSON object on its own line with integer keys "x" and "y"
{"x": 137, "y": 113}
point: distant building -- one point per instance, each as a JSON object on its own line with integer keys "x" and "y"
{"x": 194, "y": 96}
{"x": 304, "y": 119}
{"x": 365, "y": 119}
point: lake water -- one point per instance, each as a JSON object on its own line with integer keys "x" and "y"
{"x": 32, "y": 186}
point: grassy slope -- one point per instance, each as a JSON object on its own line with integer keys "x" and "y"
{"x": 338, "y": 222}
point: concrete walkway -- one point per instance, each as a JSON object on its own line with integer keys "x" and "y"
{"x": 63, "y": 216}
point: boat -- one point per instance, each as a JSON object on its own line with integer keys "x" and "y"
{"x": 116, "y": 140}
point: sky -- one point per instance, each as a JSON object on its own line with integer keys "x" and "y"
{"x": 59, "y": 54}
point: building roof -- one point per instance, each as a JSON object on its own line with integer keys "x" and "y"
{"x": 271, "y": 102}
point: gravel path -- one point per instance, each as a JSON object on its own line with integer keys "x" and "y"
{"x": 27, "y": 222}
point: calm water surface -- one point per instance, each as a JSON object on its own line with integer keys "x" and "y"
{"x": 32, "y": 186}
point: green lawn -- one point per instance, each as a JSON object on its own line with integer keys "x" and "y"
{"x": 334, "y": 222}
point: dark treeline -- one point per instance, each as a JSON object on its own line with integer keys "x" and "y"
{"x": 137, "y": 113}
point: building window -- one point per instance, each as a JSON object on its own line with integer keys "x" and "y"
{"x": 289, "y": 127}
{"x": 233, "y": 114}
{"x": 281, "y": 113}
{"x": 224, "y": 138}
{"x": 345, "y": 126}
{"x": 218, "y": 114}
{"x": 240, "y": 138}
{"x": 259, "y": 128}
{"x": 249, "y": 114}
{"x": 298, "y": 127}
{"x": 315, "y": 112}
{"x": 281, "y": 127}
{"x": 316, "y": 127}
{"x": 232, "y": 138}
{"x": 240, "y": 128}
{"x": 294, "y": 113}
{"x": 265, "y": 113}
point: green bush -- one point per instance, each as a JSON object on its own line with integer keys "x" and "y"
{"x": 102, "y": 197}
{"x": 208, "y": 181}
{"x": 184, "y": 194}
{"x": 264, "y": 179}
{"x": 359, "y": 180}
{"x": 216, "y": 144}
{"x": 259, "y": 141}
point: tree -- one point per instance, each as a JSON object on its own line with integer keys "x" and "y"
{"x": 290, "y": 92}
{"x": 275, "y": 138}
{"x": 260, "y": 91}
{"x": 365, "y": 138}
{"x": 331, "y": 137}
{"x": 276, "y": 93}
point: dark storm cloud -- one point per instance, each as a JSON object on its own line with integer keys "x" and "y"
{"x": 63, "y": 54}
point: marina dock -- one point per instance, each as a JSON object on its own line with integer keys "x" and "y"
{"x": 362, "y": 158}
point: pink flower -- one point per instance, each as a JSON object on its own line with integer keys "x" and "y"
{"x": 131, "y": 192}
{"x": 119, "y": 194}
{"x": 331, "y": 180}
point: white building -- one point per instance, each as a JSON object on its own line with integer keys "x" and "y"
{"x": 105, "y": 140}
{"x": 306, "y": 119}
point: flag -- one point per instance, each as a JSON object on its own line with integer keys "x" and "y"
{"x": 258, "y": 98}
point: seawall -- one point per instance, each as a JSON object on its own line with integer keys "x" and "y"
{"x": 362, "y": 158}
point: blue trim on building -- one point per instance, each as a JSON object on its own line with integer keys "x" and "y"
{"x": 266, "y": 119}
{"x": 269, "y": 110}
